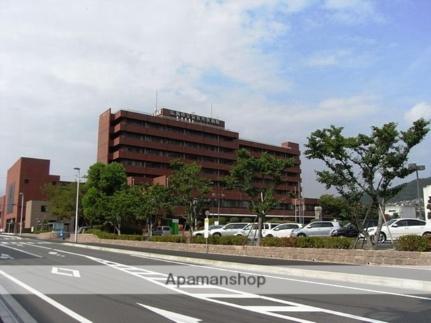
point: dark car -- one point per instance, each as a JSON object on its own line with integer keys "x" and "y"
{"x": 349, "y": 230}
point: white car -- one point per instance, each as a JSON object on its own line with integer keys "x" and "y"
{"x": 211, "y": 228}
{"x": 283, "y": 230}
{"x": 401, "y": 227}
{"x": 250, "y": 230}
{"x": 230, "y": 229}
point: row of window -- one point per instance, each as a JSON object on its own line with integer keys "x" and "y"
{"x": 147, "y": 164}
{"x": 181, "y": 143}
{"x": 194, "y": 133}
{"x": 171, "y": 154}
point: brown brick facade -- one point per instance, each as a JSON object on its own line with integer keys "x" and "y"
{"x": 27, "y": 176}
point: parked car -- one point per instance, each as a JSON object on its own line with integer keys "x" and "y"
{"x": 229, "y": 229}
{"x": 401, "y": 227}
{"x": 317, "y": 229}
{"x": 211, "y": 228}
{"x": 250, "y": 230}
{"x": 161, "y": 231}
{"x": 282, "y": 230}
{"x": 349, "y": 230}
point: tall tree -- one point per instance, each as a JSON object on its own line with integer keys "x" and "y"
{"x": 62, "y": 199}
{"x": 188, "y": 188}
{"x": 258, "y": 177}
{"x": 157, "y": 202}
{"x": 365, "y": 165}
{"x": 125, "y": 206}
{"x": 103, "y": 181}
{"x": 335, "y": 206}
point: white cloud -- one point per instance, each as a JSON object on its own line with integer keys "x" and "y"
{"x": 353, "y": 11}
{"x": 419, "y": 110}
{"x": 327, "y": 58}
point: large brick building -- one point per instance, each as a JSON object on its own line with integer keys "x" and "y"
{"x": 146, "y": 144}
{"x": 27, "y": 176}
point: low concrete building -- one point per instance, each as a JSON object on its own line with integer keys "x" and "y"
{"x": 400, "y": 211}
{"x": 37, "y": 216}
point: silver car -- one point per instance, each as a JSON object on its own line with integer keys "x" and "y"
{"x": 317, "y": 229}
{"x": 211, "y": 228}
{"x": 230, "y": 229}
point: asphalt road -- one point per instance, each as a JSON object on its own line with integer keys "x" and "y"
{"x": 52, "y": 282}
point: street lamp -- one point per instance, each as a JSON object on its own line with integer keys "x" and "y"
{"x": 417, "y": 168}
{"x": 78, "y": 170}
{"x": 22, "y": 211}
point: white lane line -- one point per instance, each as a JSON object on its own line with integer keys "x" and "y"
{"x": 295, "y": 309}
{"x": 172, "y": 316}
{"x": 47, "y": 299}
{"x": 23, "y": 251}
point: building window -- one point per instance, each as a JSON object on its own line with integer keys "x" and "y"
{"x": 26, "y": 181}
{"x": 43, "y": 208}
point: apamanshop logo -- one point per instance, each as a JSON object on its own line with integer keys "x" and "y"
{"x": 215, "y": 280}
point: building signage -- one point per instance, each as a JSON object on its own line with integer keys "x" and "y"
{"x": 191, "y": 117}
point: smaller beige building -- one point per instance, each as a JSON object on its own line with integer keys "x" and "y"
{"x": 37, "y": 216}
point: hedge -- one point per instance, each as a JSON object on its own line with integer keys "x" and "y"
{"x": 107, "y": 235}
{"x": 309, "y": 242}
{"x": 227, "y": 240}
{"x": 413, "y": 243}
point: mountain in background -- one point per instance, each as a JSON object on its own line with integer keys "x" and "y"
{"x": 409, "y": 191}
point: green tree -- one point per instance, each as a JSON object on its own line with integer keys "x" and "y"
{"x": 266, "y": 170}
{"x": 188, "y": 188}
{"x": 156, "y": 203}
{"x": 365, "y": 165}
{"x": 335, "y": 206}
{"x": 125, "y": 205}
{"x": 62, "y": 199}
{"x": 103, "y": 181}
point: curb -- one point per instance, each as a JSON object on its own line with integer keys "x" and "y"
{"x": 11, "y": 311}
{"x": 398, "y": 283}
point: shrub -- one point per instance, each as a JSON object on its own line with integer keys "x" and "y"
{"x": 107, "y": 235}
{"x": 413, "y": 243}
{"x": 279, "y": 242}
{"x": 324, "y": 242}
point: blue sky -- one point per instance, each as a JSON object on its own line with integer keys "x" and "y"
{"x": 273, "y": 70}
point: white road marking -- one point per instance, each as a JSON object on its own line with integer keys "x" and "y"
{"x": 175, "y": 317}
{"x": 4, "y": 256}
{"x": 65, "y": 272}
{"x": 261, "y": 310}
{"x": 47, "y": 299}
{"x": 23, "y": 251}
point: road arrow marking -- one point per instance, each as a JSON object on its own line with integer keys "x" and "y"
{"x": 174, "y": 317}
{"x": 65, "y": 272}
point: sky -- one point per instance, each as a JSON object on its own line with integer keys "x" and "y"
{"x": 273, "y": 70}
